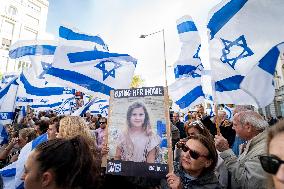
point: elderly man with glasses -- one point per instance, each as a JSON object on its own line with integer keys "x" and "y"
{"x": 245, "y": 171}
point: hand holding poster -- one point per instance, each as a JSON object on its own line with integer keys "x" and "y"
{"x": 137, "y": 132}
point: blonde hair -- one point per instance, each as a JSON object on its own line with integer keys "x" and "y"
{"x": 71, "y": 126}
{"x": 28, "y": 133}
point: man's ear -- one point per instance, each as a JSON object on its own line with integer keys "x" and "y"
{"x": 46, "y": 179}
{"x": 208, "y": 163}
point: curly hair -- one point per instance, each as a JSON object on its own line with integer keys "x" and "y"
{"x": 71, "y": 126}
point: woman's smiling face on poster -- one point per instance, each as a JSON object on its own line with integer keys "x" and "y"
{"x": 137, "y": 117}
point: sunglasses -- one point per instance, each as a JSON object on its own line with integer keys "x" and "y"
{"x": 270, "y": 163}
{"x": 102, "y": 122}
{"x": 195, "y": 155}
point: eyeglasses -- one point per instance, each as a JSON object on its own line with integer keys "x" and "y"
{"x": 270, "y": 163}
{"x": 198, "y": 123}
{"x": 102, "y": 122}
{"x": 192, "y": 153}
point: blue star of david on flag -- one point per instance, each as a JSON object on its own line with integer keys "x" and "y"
{"x": 108, "y": 72}
{"x": 240, "y": 42}
{"x": 103, "y": 110}
{"x": 196, "y": 55}
{"x": 45, "y": 67}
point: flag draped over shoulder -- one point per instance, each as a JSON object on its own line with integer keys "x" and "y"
{"x": 92, "y": 72}
{"x": 23, "y": 156}
{"x": 187, "y": 91}
{"x": 242, "y": 34}
{"x": 12, "y": 173}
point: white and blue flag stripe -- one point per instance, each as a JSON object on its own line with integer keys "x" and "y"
{"x": 238, "y": 42}
{"x": 73, "y": 37}
{"x": 92, "y": 72}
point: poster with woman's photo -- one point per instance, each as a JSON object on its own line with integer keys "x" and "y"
{"x": 138, "y": 132}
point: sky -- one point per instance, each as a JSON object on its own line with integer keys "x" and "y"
{"x": 121, "y": 22}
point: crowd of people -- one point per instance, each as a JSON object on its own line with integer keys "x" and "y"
{"x": 246, "y": 152}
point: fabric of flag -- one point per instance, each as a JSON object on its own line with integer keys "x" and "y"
{"x": 11, "y": 174}
{"x": 4, "y": 137}
{"x": 94, "y": 106}
{"x": 91, "y": 72}
{"x": 189, "y": 62}
{"x": 73, "y": 37}
{"x": 242, "y": 32}
{"x": 23, "y": 156}
{"x": 39, "y": 94}
{"x": 38, "y": 52}
{"x": 7, "y": 102}
{"x": 8, "y": 175}
{"x": 263, "y": 74}
{"x": 66, "y": 107}
{"x": 6, "y": 79}
{"x": 186, "y": 91}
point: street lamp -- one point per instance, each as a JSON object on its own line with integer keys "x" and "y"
{"x": 164, "y": 44}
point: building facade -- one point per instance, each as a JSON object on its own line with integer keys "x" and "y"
{"x": 20, "y": 20}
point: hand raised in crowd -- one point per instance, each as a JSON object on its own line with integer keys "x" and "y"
{"x": 174, "y": 181}
{"x": 221, "y": 143}
{"x": 13, "y": 142}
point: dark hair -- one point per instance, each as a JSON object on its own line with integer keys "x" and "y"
{"x": 130, "y": 110}
{"x": 103, "y": 119}
{"x": 71, "y": 160}
{"x": 43, "y": 126}
{"x": 210, "y": 145}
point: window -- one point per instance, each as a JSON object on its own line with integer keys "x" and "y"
{"x": 12, "y": 11}
{"x": 31, "y": 20}
{"x": 33, "y": 6}
{"x": 7, "y": 29}
{"x": 28, "y": 34}
{"x": 6, "y": 43}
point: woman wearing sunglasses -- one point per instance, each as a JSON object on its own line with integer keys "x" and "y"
{"x": 273, "y": 163}
{"x": 196, "y": 166}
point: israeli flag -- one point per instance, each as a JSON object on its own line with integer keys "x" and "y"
{"x": 189, "y": 62}
{"x": 95, "y": 106}
{"x": 73, "y": 37}
{"x": 239, "y": 39}
{"x": 6, "y": 79}
{"x": 263, "y": 72}
{"x": 38, "y": 52}
{"x": 8, "y": 175}
{"x": 92, "y": 72}
{"x": 34, "y": 87}
{"x": 229, "y": 112}
{"x": 23, "y": 156}
{"x": 187, "y": 91}
{"x": 66, "y": 107}
{"x": 7, "y": 102}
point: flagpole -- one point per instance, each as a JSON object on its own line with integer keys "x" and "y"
{"x": 215, "y": 102}
{"x": 170, "y": 152}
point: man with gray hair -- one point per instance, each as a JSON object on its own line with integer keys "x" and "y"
{"x": 245, "y": 171}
